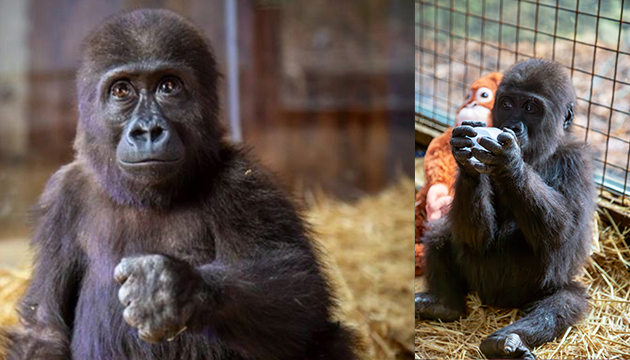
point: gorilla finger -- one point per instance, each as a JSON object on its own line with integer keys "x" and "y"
{"x": 491, "y": 145}
{"x": 463, "y": 130}
{"x": 461, "y": 142}
{"x": 484, "y": 156}
{"x": 133, "y": 315}
{"x": 150, "y": 335}
{"x": 127, "y": 293}
{"x": 513, "y": 345}
{"x": 507, "y": 137}
{"x": 122, "y": 271}
{"x": 461, "y": 155}
{"x": 505, "y": 346}
{"x": 509, "y": 343}
{"x": 474, "y": 123}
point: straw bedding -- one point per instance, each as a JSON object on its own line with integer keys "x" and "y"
{"x": 368, "y": 247}
{"x": 604, "y": 334}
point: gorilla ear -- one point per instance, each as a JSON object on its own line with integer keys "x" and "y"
{"x": 569, "y": 118}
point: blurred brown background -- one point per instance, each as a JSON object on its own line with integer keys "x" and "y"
{"x": 325, "y": 87}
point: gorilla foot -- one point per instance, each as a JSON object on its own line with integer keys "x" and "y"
{"x": 505, "y": 347}
{"x": 429, "y": 308}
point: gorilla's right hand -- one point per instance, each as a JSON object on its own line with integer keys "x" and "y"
{"x": 160, "y": 295}
{"x": 461, "y": 143}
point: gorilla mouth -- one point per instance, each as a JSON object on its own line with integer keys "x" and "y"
{"x": 149, "y": 161}
{"x": 151, "y": 168}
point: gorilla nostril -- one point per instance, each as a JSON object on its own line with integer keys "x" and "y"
{"x": 136, "y": 133}
{"x": 156, "y": 133}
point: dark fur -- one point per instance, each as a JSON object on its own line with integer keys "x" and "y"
{"x": 223, "y": 218}
{"x": 519, "y": 231}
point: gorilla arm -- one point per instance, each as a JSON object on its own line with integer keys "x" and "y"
{"x": 263, "y": 289}
{"x": 543, "y": 210}
{"x": 47, "y": 309}
{"x": 472, "y": 207}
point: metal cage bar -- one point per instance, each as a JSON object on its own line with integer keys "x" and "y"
{"x": 460, "y": 40}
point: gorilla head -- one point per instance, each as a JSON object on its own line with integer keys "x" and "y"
{"x": 536, "y": 109}
{"x": 148, "y": 106}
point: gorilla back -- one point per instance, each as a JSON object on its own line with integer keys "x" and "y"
{"x": 162, "y": 241}
{"x": 519, "y": 228}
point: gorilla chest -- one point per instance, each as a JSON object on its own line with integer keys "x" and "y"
{"x": 100, "y": 332}
{"x": 107, "y": 237}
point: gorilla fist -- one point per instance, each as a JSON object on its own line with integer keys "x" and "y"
{"x": 160, "y": 295}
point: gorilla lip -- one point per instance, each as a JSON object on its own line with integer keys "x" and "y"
{"x": 148, "y": 162}
{"x": 150, "y": 165}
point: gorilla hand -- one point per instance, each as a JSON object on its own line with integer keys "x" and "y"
{"x": 503, "y": 155}
{"x": 160, "y": 295}
{"x": 461, "y": 144}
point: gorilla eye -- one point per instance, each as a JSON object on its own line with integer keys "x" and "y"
{"x": 506, "y": 104}
{"x": 170, "y": 86}
{"x": 121, "y": 90}
{"x": 530, "y": 107}
{"x": 484, "y": 95}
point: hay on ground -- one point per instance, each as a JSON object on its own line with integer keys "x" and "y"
{"x": 12, "y": 286}
{"x": 371, "y": 243}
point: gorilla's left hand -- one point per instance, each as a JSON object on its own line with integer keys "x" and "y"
{"x": 503, "y": 155}
{"x": 160, "y": 294}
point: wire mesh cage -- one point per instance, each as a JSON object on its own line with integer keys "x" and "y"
{"x": 458, "y": 41}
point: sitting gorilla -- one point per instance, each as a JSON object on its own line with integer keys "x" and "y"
{"x": 519, "y": 228}
{"x": 162, "y": 241}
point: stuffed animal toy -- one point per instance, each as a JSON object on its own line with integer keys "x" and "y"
{"x": 434, "y": 198}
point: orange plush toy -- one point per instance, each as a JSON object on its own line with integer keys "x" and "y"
{"x": 440, "y": 168}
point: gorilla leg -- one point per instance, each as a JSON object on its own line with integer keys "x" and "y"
{"x": 445, "y": 299}
{"x": 546, "y": 319}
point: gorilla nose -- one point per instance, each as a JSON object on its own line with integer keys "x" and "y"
{"x": 149, "y": 140}
{"x": 148, "y": 135}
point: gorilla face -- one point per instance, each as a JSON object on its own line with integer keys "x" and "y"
{"x": 536, "y": 109}
{"x": 520, "y": 112}
{"x": 145, "y": 107}
{"x": 148, "y": 106}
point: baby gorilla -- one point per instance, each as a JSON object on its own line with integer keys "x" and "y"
{"x": 162, "y": 241}
{"x": 519, "y": 228}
